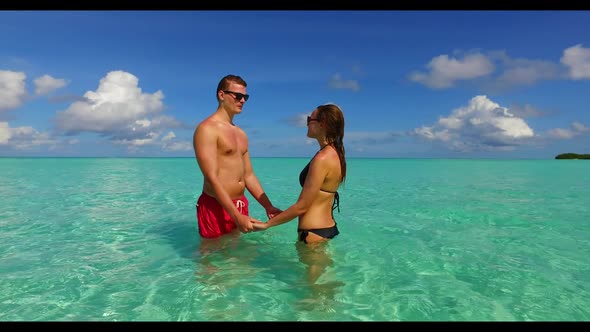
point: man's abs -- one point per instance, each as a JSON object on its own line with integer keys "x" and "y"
{"x": 235, "y": 189}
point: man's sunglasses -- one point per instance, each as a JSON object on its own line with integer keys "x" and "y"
{"x": 238, "y": 95}
{"x": 310, "y": 119}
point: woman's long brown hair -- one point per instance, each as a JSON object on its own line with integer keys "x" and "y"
{"x": 333, "y": 118}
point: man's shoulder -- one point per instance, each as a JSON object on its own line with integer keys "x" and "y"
{"x": 207, "y": 125}
{"x": 209, "y": 121}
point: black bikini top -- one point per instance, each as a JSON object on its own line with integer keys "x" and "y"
{"x": 303, "y": 176}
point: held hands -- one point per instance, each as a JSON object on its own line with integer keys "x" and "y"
{"x": 244, "y": 224}
{"x": 272, "y": 211}
{"x": 248, "y": 224}
{"x": 258, "y": 225}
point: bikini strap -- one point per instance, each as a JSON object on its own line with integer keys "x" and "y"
{"x": 336, "y": 203}
{"x": 303, "y": 236}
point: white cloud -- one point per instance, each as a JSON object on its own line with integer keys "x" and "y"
{"x": 526, "y": 111}
{"x": 170, "y": 145}
{"x": 120, "y": 111}
{"x": 576, "y": 129}
{"x": 12, "y": 89}
{"x": 444, "y": 71}
{"x": 577, "y": 59}
{"x": 435, "y": 134}
{"x": 481, "y": 125}
{"x": 337, "y": 82}
{"x": 117, "y": 104}
{"x": 22, "y": 138}
{"x": 146, "y": 127}
{"x": 46, "y": 84}
{"x": 178, "y": 146}
{"x": 168, "y": 136}
{"x": 525, "y": 72}
{"x": 5, "y": 133}
{"x": 561, "y": 133}
{"x": 150, "y": 138}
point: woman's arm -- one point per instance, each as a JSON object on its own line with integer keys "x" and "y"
{"x": 318, "y": 171}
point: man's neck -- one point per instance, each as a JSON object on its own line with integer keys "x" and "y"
{"x": 223, "y": 115}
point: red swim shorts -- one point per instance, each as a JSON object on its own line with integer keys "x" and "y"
{"x": 212, "y": 218}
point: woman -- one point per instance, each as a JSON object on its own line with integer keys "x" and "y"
{"x": 320, "y": 180}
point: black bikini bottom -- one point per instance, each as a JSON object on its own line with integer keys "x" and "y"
{"x": 328, "y": 233}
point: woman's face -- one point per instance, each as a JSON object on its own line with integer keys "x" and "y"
{"x": 313, "y": 124}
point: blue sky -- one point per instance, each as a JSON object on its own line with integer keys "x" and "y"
{"x": 412, "y": 84}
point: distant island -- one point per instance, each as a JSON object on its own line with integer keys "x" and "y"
{"x": 572, "y": 156}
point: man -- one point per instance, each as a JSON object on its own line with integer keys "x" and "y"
{"x": 221, "y": 149}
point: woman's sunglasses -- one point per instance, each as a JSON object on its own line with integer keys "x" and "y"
{"x": 310, "y": 119}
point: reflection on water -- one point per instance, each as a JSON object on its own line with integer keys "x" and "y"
{"x": 233, "y": 265}
{"x": 217, "y": 258}
{"x": 322, "y": 286}
{"x": 225, "y": 272}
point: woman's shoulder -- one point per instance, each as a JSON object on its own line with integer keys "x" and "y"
{"x": 326, "y": 158}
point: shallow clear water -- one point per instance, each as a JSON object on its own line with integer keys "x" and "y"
{"x": 421, "y": 240}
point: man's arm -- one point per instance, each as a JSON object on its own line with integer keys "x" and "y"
{"x": 255, "y": 188}
{"x": 205, "y": 146}
{"x": 253, "y": 185}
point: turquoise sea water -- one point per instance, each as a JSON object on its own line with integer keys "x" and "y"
{"x": 421, "y": 240}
